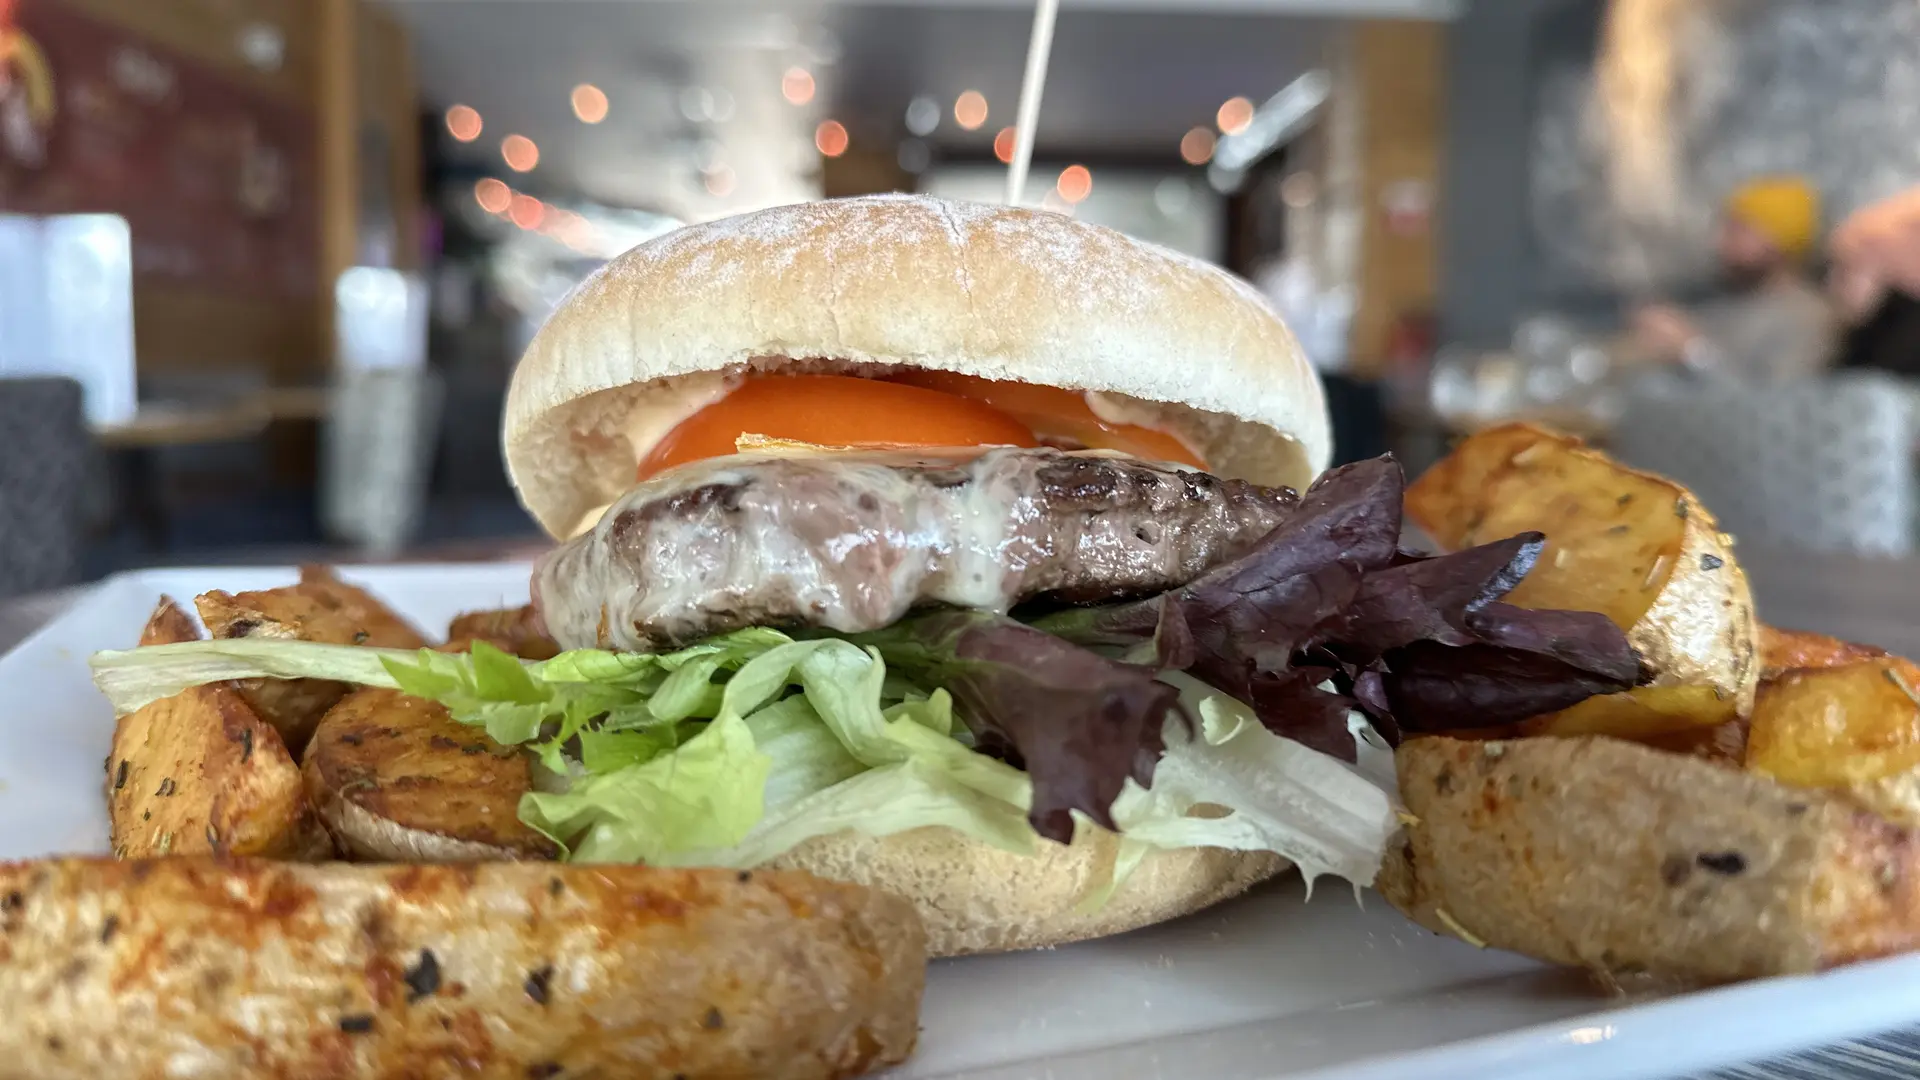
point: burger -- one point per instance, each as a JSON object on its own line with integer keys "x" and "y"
{"x": 976, "y": 554}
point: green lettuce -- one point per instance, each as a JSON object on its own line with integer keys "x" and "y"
{"x": 736, "y": 750}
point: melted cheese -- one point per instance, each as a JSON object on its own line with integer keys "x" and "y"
{"x": 856, "y": 543}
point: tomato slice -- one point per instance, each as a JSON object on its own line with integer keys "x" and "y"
{"x": 1056, "y": 414}
{"x": 835, "y": 410}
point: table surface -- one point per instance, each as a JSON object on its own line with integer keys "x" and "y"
{"x": 1872, "y": 600}
{"x": 165, "y": 423}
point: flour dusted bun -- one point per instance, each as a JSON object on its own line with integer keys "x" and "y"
{"x": 975, "y": 898}
{"x": 888, "y": 282}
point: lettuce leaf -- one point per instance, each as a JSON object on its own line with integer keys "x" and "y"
{"x": 1325, "y": 615}
{"x": 735, "y": 751}
{"x": 707, "y": 792}
{"x": 1080, "y": 725}
{"x": 1280, "y": 795}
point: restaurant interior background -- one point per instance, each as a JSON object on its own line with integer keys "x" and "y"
{"x": 266, "y": 265}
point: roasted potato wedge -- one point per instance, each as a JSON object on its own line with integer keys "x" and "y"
{"x": 397, "y": 779}
{"x": 240, "y": 968}
{"x": 1723, "y": 744}
{"x": 1617, "y": 857}
{"x": 1782, "y": 651}
{"x": 1836, "y": 727}
{"x": 1631, "y": 545}
{"x": 199, "y": 772}
{"x": 515, "y": 630}
{"x": 320, "y": 608}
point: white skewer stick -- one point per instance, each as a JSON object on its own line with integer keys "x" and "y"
{"x": 1028, "y": 116}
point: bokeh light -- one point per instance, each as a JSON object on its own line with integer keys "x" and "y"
{"x": 830, "y": 138}
{"x": 797, "y": 86}
{"x": 493, "y": 196}
{"x": 463, "y": 123}
{"x": 1075, "y": 183}
{"x": 1003, "y": 144}
{"x": 923, "y": 115}
{"x": 527, "y": 211}
{"x": 1234, "y": 115}
{"x": 589, "y": 103}
{"x": 1196, "y": 146}
{"x": 520, "y": 153}
{"x": 970, "y": 110}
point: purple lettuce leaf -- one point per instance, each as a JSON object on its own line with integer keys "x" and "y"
{"x": 1078, "y": 723}
{"x": 1418, "y": 643}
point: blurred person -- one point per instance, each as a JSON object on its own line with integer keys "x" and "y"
{"x": 1875, "y": 285}
{"x": 27, "y": 100}
{"x": 1774, "y": 323}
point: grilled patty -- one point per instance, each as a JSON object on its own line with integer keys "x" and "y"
{"x": 854, "y": 543}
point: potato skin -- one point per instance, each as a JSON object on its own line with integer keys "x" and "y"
{"x": 320, "y": 608}
{"x": 200, "y": 773}
{"x": 1782, "y": 651}
{"x": 240, "y": 968}
{"x": 1634, "y": 546}
{"x": 1623, "y": 859}
{"x": 397, "y": 779}
{"x": 514, "y": 630}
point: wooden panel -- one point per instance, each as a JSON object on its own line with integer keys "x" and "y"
{"x": 193, "y": 330}
{"x": 398, "y": 106}
{"x": 337, "y": 100}
{"x": 209, "y": 31}
{"x": 348, "y": 67}
{"x": 388, "y": 107}
{"x": 213, "y": 175}
{"x": 1399, "y": 69}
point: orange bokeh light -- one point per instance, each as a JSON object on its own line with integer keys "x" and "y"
{"x": 830, "y": 138}
{"x": 1003, "y": 145}
{"x": 1234, "y": 115}
{"x": 527, "y": 211}
{"x": 720, "y": 182}
{"x": 1075, "y": 183}
{"x": 797, "y": 85}
{"x": 493, "y": 196}
{"x": 463, "y": 123}
{"x": 520, "y": 153}
{"x": 1196, "y": 146}
{"x": 970, "y": 110}
{"x": 589, "y": 103}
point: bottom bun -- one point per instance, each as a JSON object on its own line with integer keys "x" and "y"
{"x": 978, "y": 899}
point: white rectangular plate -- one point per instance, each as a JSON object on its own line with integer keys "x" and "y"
{"x": 1267, "y": 986}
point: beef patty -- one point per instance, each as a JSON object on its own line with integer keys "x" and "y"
{"x": 852, "y": 543}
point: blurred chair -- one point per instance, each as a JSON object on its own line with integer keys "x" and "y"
{"x": 44, "y": 480}
{"x": 1824, "y": 465}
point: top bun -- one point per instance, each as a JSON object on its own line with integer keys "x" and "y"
{"x": 886, "y": 282}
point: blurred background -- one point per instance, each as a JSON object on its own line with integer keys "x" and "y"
{"x": 266, "y": 265}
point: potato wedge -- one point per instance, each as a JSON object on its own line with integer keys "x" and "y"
{"x": 397, "y": 779}
{"x": 1631, "y": 545}
{"x": 199, "y": 772}
{"x": 320, "y": 608}
{"x": 1620, "y": 858}
{"x": 1782, "y": 651}
{"x": 515, "y": 630}
{"x": 1838, "y": 726}
{"x": 223, "y": 969}
{"x": 1723, "y": 744}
